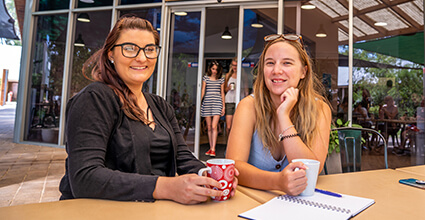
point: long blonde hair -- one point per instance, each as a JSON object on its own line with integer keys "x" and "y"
{"x": 306, "y": 111}
{"x": 230, "y": 73}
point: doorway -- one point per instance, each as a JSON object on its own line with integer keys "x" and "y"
{"x": 194, "y": 40}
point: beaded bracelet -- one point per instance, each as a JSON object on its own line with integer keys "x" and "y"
{"x": 284, "y": 130}
{"x": 288, "y": 136}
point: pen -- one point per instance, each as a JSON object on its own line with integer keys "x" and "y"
{"x": 327, "y": 193}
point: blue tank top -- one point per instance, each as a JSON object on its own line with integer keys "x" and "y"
{"x": 261, "y": 157}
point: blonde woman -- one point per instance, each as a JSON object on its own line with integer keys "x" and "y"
{"x": 230, "y": 90}
{"x": 286, "y": 118}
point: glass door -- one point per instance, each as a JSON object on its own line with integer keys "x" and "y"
{"x": 184, "y": 71}
{"x": 258, "y": 22}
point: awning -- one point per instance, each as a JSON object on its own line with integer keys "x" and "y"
{"x": 343, "y": 61}
{"x": 407, "y": 47}
{"x": 7, "y": 28}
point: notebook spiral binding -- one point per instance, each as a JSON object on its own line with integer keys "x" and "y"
{"x": 301, "y": 201}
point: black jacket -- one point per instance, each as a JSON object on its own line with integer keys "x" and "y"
{"x": 116, "y": 167}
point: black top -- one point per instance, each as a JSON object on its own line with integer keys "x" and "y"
{"x": 161, "y": 150}
{"x": 117, "y": 167}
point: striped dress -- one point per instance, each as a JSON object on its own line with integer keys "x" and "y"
{"x": 212, "y": 103}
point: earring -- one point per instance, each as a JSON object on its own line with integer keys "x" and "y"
{"x": 112, "y": 61}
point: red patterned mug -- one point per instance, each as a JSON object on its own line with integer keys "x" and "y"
{"x": 222, "y": 170}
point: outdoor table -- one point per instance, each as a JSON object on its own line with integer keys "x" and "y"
{"x": 392, "y": 199}
{"x": 418, "y": 170}
{"x": 96, "y": 209}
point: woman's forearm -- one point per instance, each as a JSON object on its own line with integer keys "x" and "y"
{"x": 255, "y": 178}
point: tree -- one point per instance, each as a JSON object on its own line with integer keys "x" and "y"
{"x": 404, "y": 85}
{"x": 10, "y": 6}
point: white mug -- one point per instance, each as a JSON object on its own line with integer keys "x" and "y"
{"x": 311, "y": 173}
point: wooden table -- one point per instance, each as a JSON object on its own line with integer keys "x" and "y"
{"x": 103, "y": 210}
{"x": 403, "y": 126}
{"x": 418, "y": 170}
{"x": 392, "y": 199}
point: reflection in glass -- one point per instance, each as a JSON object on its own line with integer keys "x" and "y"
{"x": 93, "y": 3}
{"x": 44, "y": 5}
{"x": 129, "y": 2}
{"x": 45, "y": 92}
{"x": 253, "y": 43}
{"x": 153, "y": 15}
{"x": 388, "y": 60}
{"x": 89, "y": 37}
{"x": 183, "y": 72}
{"x": 379, "y": 73}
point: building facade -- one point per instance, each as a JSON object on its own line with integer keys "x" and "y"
{"x": 362, "y": 50}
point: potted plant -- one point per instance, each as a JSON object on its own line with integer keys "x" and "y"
{"x": 333, "y": 161}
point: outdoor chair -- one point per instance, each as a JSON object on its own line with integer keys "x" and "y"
{"x": 351, "y": 149}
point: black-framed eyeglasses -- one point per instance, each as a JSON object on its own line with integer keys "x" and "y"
{"x": 131, "y": 50}
{"x": 290, "y": 37}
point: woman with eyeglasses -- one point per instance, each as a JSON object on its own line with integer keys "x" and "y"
{"x": 212, "y": 108}
{"x": 122, "y": 143}
{"x": 285, "y": 118}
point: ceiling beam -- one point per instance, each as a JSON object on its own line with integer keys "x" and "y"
{"x": 20, "y": 13}
{"x": 407, "y": 18}
{"x": 375, "y": 36}
{"x": 370, "y": 9}
{"x": 382, "y": 31}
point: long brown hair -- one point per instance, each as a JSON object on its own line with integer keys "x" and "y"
{"x": 306, "y": 111}
{"x": 103, "y": 70}
{"x": 219, "y": 69}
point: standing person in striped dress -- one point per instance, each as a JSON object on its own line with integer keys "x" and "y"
{"x": 213, "y": 102}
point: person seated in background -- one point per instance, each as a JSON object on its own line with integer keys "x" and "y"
{"x": 409, "y": 135}
{"x": 389, "y": 111}
{"x": 366, "y": 99}
{"x": 342, "y": 112}
{"x": 124, "y": 144}
{"x": 286, "y": 118}
{"x": 361, "y": 115}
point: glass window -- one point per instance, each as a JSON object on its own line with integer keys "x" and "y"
{"x": 129, "y": 2}
{"x": 153, "y": 15}
{"x": 388, "y": 84}
{"x": 90, "y": 34}
{"x": 183, "y": 72}
{"x": 44, "y": 5}
{"x": 217, "y": 46}
{"x": 93, "y": 3}
{"x": 387, "y": 77}
{"x": 256, "y": 26}
{"x": 45, "y": 92}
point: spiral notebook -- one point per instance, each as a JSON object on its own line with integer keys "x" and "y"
{"x": 318, "y": 206}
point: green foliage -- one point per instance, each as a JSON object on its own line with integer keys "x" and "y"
{"x": 333, "y": 141}
{"x": 10, "y": 7}
{"x": 407, "y": 86}
{"x": 333, "y": 137}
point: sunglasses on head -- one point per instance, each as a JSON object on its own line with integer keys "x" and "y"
{"x": 290, "y": 37}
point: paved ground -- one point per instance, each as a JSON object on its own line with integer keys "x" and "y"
{"x": 28, "y": 173}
